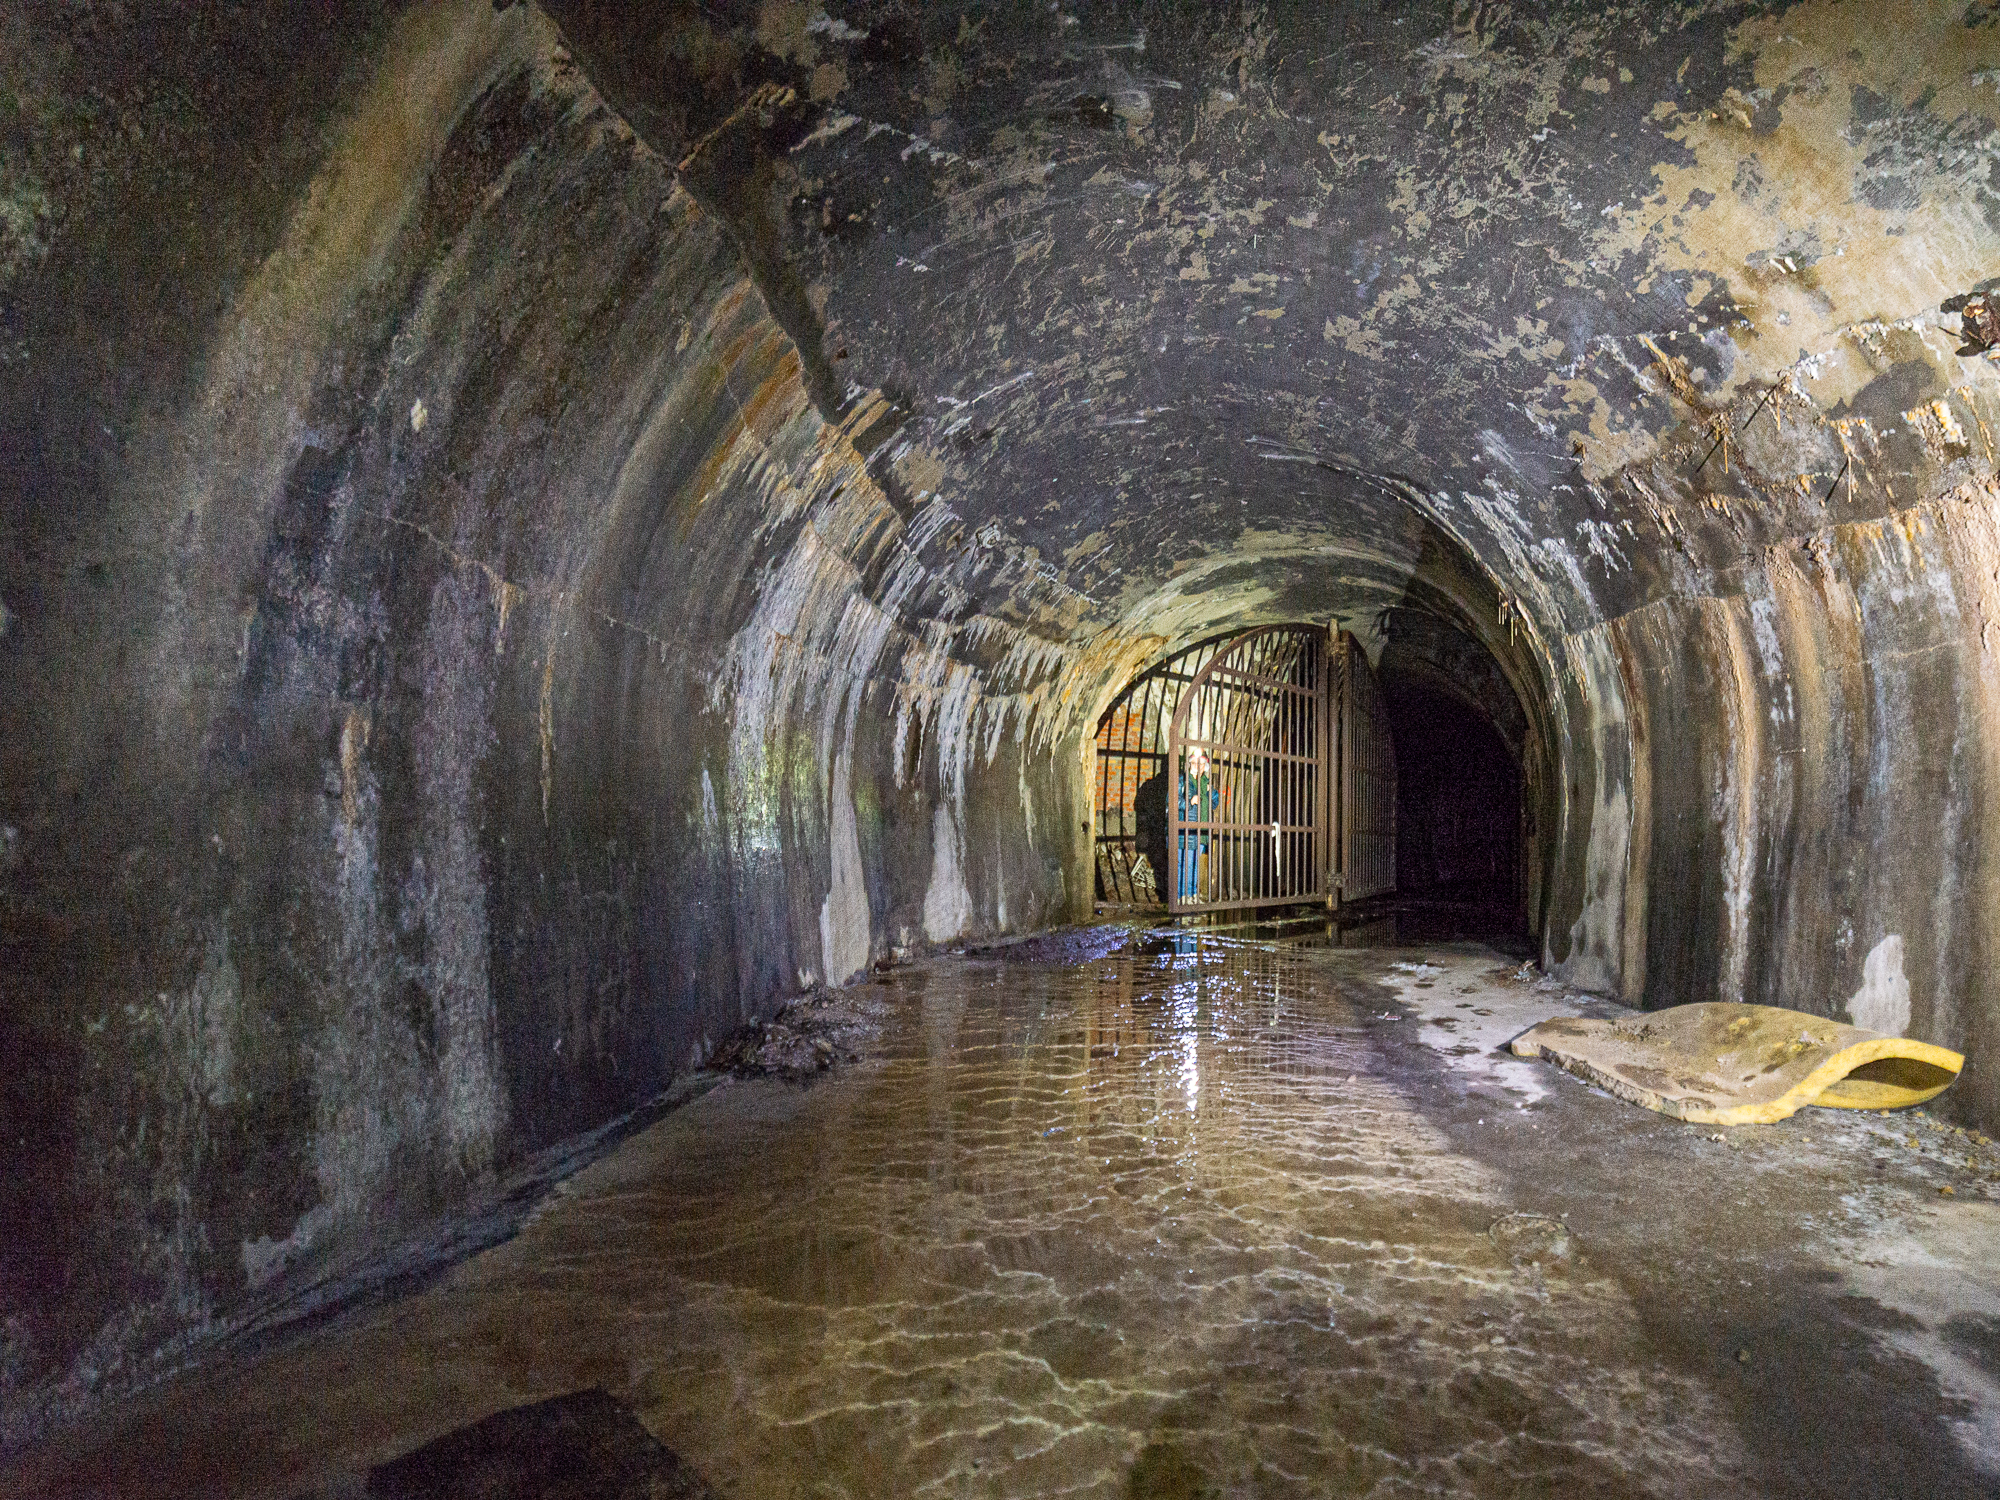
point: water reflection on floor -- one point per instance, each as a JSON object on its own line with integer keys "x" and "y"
{"x": 1447, "y": 916}
{"x": 1196, "y": 1216}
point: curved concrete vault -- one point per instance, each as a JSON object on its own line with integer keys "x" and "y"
{"x": 531, "y": 534}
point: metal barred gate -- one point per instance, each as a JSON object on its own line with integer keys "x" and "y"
{"x": 1248, "y": 742}
{"x": 1131, "y": 830}
{"x": 1292, "y": 793}
{"x": 1366, "y": 776}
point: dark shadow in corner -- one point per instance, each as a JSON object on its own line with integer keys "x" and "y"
{"x": 583, "y": 1446}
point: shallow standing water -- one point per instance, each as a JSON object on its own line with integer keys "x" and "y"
{"x": 1195, "y": 1216}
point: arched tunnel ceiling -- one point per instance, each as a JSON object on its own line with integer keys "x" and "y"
{"x": 1152, "y": 287}
{"x": 497, "y": 592}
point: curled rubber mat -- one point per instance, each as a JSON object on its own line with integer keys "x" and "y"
{"x": 1723, "y": 1064}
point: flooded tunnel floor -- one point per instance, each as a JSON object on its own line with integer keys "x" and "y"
{"x": 1195, "y": 1216}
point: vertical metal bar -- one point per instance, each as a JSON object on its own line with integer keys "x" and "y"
{"x": 1351, "y": 753}
{"x": 1344, "y": 811}
{"x": 1321, "y": 886}
{"x": 1097, "y": 825}
{"x": 1248, "y": 710}
{"x": 1317, "y": 842}
{"x": 1170, "y": 877}
{"x": 1128, "y": 847}
{"x": 1322, "y": 745}
{"x": 1271, "y": 783}
{"x": 1295, "y": 790}
{"x": 1286, "y": 814}
{"x": 1340, "y": 755}
{"x": 1219, "y": 809}
{"x": 1282, "y": 845}
{"x": 1229, "y": 874}
{"x": 1159, "y": 706}
{"x": 1352, "y": 812}
{"x": 1208, "y": 862}
{"x": 1217, "y": 882}
{"x": 1197, "y": 728}
{"x": 1281, "y": 799}
{"x": 1302, "y": 781}
{"x": 1314, "y": 845}
{"x": 1227, "y": 788}
{"x": 1303, "y": 847}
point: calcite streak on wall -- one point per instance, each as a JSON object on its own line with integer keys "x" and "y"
{"x": 353, "y": 746}
{"x": 448, "y": 887}
{"x": 1883, "y": 1001}
{"x": 1739, "y": 795}
{"x": 947, "y": 902}
{"x": 545, "y": 723}
{"x": 823, "y": 641}
{"x": 844, "y": 923}
{"x": 1597, "y": 942}
{"x": 1937, "y": 426}
{"x": 371, "y": 1100}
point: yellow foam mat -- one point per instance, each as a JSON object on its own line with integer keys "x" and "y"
{"x": 1723, "y": 1064}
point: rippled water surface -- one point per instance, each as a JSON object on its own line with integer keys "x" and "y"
{"x": 1157, "y": 1202}
{"x": 1196, "y": 1217}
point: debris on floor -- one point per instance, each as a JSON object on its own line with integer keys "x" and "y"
{"x": 1529, "y": 1239}
{"x": 1063, "y": 945}
{"x": 1719, "y": 1063}
{"x": 808, "y": 1035}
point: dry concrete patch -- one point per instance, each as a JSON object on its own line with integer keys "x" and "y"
{"x": 1469, "y": 1009}
{"x": 1938, "y": 1273}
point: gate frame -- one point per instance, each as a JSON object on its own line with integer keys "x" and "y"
{"x": 1325, "y": 801}
{"x": 1354, "y": 810}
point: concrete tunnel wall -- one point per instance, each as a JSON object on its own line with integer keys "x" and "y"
{"x": 465, "y": 651}
{"x": 483, "y": 682}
